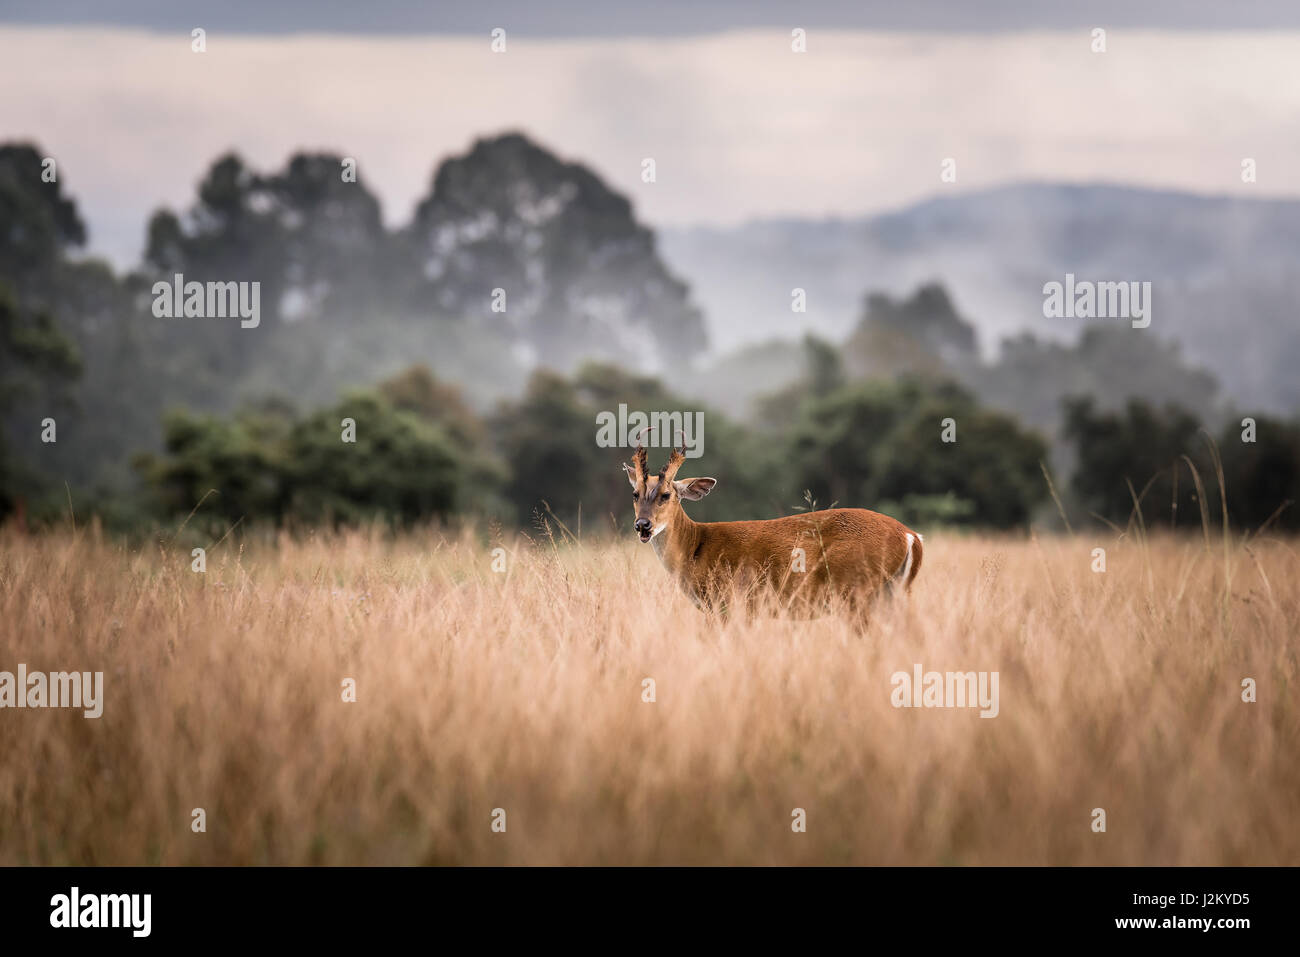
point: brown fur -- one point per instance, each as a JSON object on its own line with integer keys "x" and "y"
{"x": 849, "y": 553}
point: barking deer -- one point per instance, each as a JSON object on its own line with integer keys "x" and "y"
{"x": 810, "y": 563}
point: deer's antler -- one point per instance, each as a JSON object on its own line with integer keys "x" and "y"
{"x": 675, "y": 460}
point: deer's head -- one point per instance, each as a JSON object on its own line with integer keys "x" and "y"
{"x": 654, "y": 497}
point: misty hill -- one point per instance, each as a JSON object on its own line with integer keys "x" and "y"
{"x": 514, "y": 258}
{"x": 518, "y": 259}
{"x": 1221, "y": 271}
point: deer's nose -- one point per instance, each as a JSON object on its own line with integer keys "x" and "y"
{"x": 642, "y": 525}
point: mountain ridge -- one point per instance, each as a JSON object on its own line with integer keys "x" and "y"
{"x": 1221, "y": 267}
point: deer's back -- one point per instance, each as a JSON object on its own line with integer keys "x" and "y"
{"x": 846, "y": 550}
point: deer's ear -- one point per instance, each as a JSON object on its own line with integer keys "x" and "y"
{"x": 695, "y": 489}
{"x": 631, "y": 476}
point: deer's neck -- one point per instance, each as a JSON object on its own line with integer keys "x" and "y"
{"x": 677, "y": 543}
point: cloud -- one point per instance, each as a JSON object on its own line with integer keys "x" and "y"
{"x": 740, "y": 127}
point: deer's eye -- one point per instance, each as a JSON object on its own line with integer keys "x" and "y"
{"x": 635, "y": 496}
{"x": 665, "y": 497}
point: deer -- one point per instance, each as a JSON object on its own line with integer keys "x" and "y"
{"x": 813, "y": 564}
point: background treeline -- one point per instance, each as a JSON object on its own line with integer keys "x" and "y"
{"x": 461, "y": 410}
{"x": 421, "y": 453}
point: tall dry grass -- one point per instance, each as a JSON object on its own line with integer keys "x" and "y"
{"x": 523, "y": 691}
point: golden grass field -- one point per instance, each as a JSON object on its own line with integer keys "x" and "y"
{"x": 523, "y": 691}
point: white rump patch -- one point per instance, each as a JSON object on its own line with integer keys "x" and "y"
{"x": 902, "y": 574}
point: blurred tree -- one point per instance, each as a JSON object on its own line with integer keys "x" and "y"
{"x": 922, "y": 335}
{"x": 335, "y": 245}
{"x": 33, "y": 352}
{"x": 993, "y": 465}
{"x": 823, "y": 373}
{"x": 879, "y": 445}
{"x": 1144, "y": 445}
{"x": 266, "y": 465}
{"x": 241, "y": 460}
{"x": 548, "y": 439}
{"x": 400, "y": 469}
{"x": 67, "y": 353}
{"x": 335, "y": 296}
{"x": 31, "y": 348}
{"x": 1263, "y": 476}
{"x": 484, "y": 474}
{"x": 1032, "y": 377}
{"x": 825, "y": 366}
{"x": 581, "y": 277}
{"x": 1138, "y": 445}
{"x": 315, "y": 243}
{"x": 40, "y": 222}
{"x": 418, "y": 390}
{"x": 233, "y": 233}
{"x": 834, "y": 442}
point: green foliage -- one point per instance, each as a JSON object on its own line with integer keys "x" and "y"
{"x": 1155, "y": 451}
{"x": 881, "y": 442}
{"x": 235, "y": 468}
{"x": 267, "y": 465}
{"x": 35, "y": 358}
{"x": 548, "y": 441}
{"x": 40, "y": 222}
{"x": 401, "y": 467}
{"x": 32, "y": 348}
{"x": 1138, "y": 446}
{"x": 856, "y": 445}
{"x": 994, "y": 464}
{"x": 345, "y": 300}
{"x": 1263, "y": 476}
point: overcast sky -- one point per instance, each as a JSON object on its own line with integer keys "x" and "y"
{"x": 739, "y": 126}
{"x": 651, "y": 17}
